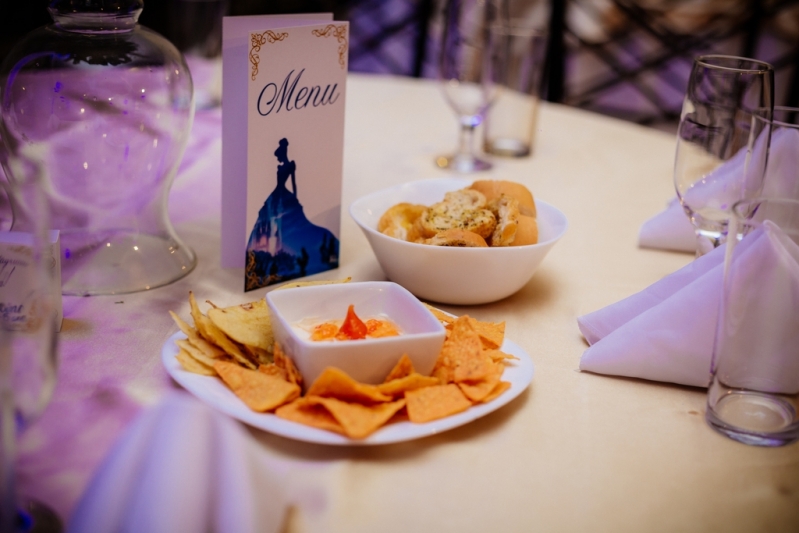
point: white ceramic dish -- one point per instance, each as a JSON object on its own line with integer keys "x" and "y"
{"x": 212, "y": 391}
{"x": 458, "y": 276}
{"x": 367, "y": 360}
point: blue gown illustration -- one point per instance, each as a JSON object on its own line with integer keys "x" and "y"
{"x": 283, "y": 243}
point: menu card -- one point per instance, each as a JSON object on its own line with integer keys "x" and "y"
{"x": 283, "y": 96}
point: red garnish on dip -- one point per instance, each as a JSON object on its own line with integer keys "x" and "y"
{"x": 353, "y": 327}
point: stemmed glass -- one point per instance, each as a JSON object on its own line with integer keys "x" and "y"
{"x": 465, "y": 74}
{"x": 28, "y": 336}
{"x": 722, "y": 141}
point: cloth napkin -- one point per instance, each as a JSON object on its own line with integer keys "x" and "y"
{"x": 666, "y": 332}
{"x": 672, "y": 230}
{"x": 183, "y": 467}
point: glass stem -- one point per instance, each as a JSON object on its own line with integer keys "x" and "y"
{"x": 466, "y": 142}
{"x": 8, "y": 507}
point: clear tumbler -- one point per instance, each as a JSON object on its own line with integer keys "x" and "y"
{"x": 754, "y": 391}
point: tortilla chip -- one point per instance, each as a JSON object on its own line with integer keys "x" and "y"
{"x": 492, "y": 334}
{"x": 498, "y": 355}
{"x": 190, "y": 364}
{"x": 272, "y": 369}
{"x": 214, "y": 335}
{"x": 432, "y": 403}
{"x": 257, "y": 354}
{"x": 403, "y": 368}
{"x": 259, "y": 391}
{"x": 248, "y": 324}
{"x": 462, "y": 348}
{"x": 284, "y": 362}
{"x": 442, "y": 317}
{"x": 478, "y": 390}
{"x": 397, "y": 387}
{"x": 358, "y": 420}
{"x": 473, "y": 368}
{"x": 195, "y": 353}
{"x": 499, "y": 388}
{"x": 309, "y": 413}
{"x": 335, "y": 383}
{"x": 298, "y": 284}
{"x": 210, "y": 350}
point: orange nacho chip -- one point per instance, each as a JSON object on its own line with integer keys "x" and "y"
{"x": 358, "y": 420}
{"x": 309, "y": 413}
{"x": 336, "y": 383}
{"x": 432, "y": 403}
{"x": 397, "y": 387}
{"x": 462, "y": 348}
{"x": 285, "y": 363}
{"x": 498, "y": 355}
{"x": 499, "y": 388}
{"x": 272, "y": 369}
{"x": 442, "y": 317}
{"x": 473, "y": 368}
{"x": 477, "y": 391}
{"x": 259, "y": 391}
{"x": 403, "y": 368}
{"x": 492, "y": 334}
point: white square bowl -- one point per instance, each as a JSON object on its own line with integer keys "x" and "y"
{"x": 366, "y": 360}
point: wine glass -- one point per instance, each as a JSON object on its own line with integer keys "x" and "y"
{"x": 28, "y": 334}
{"x": 722, "y": 141}
{"x": 465, "y": 74}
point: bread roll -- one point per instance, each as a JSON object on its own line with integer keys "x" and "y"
{"x": 493, "y": 189}
{"x": 526, "y": 231}
{"x": 462, "y": 209}
{"x": 506, "y": 210}
{"x": 398, "y": 221}
{"x": 460, "y": 238}
{"x": 466, "y": 199}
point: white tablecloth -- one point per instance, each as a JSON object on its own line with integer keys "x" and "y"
{"x": 576, "y": 452}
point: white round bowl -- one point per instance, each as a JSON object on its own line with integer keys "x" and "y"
{"x": 457, "y": 276}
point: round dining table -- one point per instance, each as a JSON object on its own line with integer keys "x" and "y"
{"x": 575, "y": 452}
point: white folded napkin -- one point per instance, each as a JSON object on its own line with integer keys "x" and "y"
{"x": 183, "y": 467}
{"x": 666, "y": 332}
{"x": 672, "y": 230}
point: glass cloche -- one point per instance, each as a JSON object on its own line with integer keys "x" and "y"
{"x": 105, "y": 106}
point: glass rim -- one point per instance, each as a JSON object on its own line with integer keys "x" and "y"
{"x": 705, "y": 61}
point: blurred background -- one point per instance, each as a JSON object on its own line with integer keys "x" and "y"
{"x": 625, "y": 58}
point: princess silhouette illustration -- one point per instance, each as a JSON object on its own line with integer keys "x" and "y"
{"x": 283, "y": 243}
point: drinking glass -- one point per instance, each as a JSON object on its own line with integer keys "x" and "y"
{"x": 754, "y": 390}
{"x": 722, "y": 141}
{"x": 28, "y": 340}
{"x": 517, "y": 61}
{"x": 465, "y": 72}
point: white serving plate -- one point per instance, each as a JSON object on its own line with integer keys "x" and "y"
{"x": 212, "y": 391}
